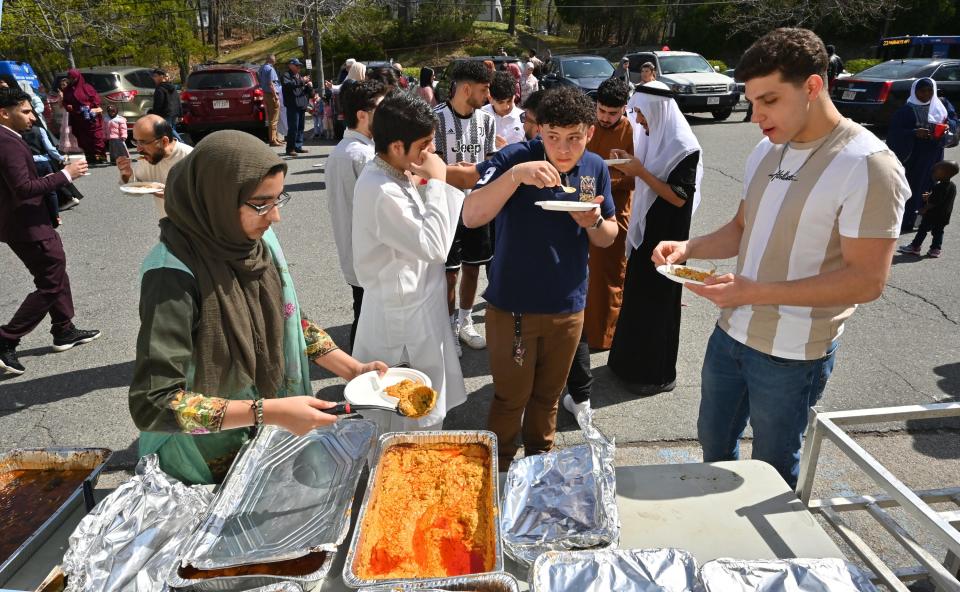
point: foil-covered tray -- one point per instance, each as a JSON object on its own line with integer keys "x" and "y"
{"x": 488, "y": 582}
{"x": 261, "y": 583}
{"x": 39, "y": 489}
{"x": 634, "y": 570}
{"x": 284, "y": 497}
{"x": 485, "y": 438}
{"x": 128, "y": 542}
{"x": 562, "y": 500}
{"x": 800, "y": 575}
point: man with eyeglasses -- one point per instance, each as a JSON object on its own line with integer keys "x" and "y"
{"x": 159, "y": 151}
{"x": 355, "y": 150}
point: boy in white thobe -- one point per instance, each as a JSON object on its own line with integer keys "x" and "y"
{"x": 402, "y": 232}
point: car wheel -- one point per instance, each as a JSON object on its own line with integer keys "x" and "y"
{"x": 261, "y": 133}
{"x": 721, "y": 114}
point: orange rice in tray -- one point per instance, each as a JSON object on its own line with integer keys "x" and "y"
{"x": 431, "y": 514}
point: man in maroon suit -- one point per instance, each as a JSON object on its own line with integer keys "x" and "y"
{"x": 25, "y": 226}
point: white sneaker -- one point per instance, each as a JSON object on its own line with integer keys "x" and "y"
{"x": 470, "y": 336}
{"x": 456, "y": 340}
{"x": 574, "y": 408}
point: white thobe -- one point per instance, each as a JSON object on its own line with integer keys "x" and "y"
{"x": 401, "y": 237}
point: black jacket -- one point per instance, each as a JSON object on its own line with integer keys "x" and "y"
{"x": 166, "y": 102}
{"x": 940, "y": 204}
{"x": 296, "y": 93}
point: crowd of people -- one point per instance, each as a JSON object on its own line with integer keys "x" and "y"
{"x": 423, "y": 194}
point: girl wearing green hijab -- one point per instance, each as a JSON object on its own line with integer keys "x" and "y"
{"x": 222, "y": 345}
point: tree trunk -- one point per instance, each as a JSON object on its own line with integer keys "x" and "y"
{"x": 528, "y": 17}
{"x": 68, "y": 52}
{"x": 318, "y": 75}
{"x": 512, "y": 25}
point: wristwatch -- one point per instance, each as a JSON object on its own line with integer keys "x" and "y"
{"x": 598, "y": 223}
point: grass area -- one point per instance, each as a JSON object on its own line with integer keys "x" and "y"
{"x": 284, "y": 46}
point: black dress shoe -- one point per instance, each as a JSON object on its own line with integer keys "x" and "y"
{"x": 648, "y": 390}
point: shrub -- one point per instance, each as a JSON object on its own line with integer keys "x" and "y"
{"x": 859, "y": 64}
{"x": 715, "y": 63}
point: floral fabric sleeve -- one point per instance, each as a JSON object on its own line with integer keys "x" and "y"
{"x": 197, "y": 414}
{"x": 318, "y": 342}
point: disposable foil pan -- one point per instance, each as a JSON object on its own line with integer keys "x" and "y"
{"x": 128, "y": 542}
{"x": 562, "y": 500}
{"x": 50, "y": 459}
{"x": 260, "y": 583}
{"x": 646, "y": 570}
{"x": 488, "y": 582}
{"x": 488, "y": 439}
{"x": 284, "y": 497}
{"x": 801, "y": 575}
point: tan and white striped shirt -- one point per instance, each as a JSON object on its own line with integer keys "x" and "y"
{"x": 847, "y": 184}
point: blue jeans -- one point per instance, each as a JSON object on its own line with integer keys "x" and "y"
{"x": 741, "y": 384}
{"x": 295, "y": 123}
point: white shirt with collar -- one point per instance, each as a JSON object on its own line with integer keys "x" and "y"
{"x": 344, "y": 165}
{"x": 509, "y": 127}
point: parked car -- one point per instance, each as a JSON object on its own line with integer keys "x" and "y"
{"x": 873, "y": 95}
{"x": 223, "y": 97}
{"x": 585, "y": 72}
{"x": 443, "y": 76}
{"x": 698, "y": 87}
{"x": 128, "y": 88}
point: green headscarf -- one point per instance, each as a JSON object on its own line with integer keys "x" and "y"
{"x": 240, "y": 338}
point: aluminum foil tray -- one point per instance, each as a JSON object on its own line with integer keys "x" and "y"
{"x": 562, "y": 500}
{"x": 647, "y": 570}
{"x": 260, "y": 583}
{"x": 488, "y": 582}
{"x": 488, "y": 439}
{"x": 800, "y": 575}
{"x": 284, "y": 497}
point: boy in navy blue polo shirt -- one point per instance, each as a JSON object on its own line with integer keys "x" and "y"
{"x": 538, "y": 278}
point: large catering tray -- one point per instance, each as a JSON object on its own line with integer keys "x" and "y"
{"x": 310, "y": 581}
{"x": 284, "y": 497}
{"x": 488, "y": 439}
{"x": 623, "y": 570}
{"x": 51, "y": 502}
{"x": 488, "y": 582}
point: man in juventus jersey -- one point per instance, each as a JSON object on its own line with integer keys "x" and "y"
{"x": 466, "y": 134}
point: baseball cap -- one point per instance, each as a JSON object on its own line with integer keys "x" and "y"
{"x": 295, "y": 62}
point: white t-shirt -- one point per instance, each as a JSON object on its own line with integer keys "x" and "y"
{"x": 509, "y": 126}
{"x": 157, "y": 173}
{"x": 464, "y": 139}
{"x": 797, "y": 206}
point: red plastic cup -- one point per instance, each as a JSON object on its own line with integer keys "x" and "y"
{"x": 938, "y": 130}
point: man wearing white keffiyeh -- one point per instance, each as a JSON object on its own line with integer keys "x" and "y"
{"x": 668, "y": 167}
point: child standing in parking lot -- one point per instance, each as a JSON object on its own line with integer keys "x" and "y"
{"x": 115, "y": 130}
{"x": 936, "y": 209}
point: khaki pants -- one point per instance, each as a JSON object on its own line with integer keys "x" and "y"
{"x": 526, "y": 397}
{"x": 273, "y": 116}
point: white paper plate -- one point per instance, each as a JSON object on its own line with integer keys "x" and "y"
{"x": 667, "y": 270}
{"x": 560, "y": 205}
{"x": 318, "y": 165}
{"x": 141, "y": 188}
{"x": 613, "y": 161}
{"x": 363, "y": 389}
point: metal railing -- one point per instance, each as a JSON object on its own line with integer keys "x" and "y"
{"x": 941, "y": 526}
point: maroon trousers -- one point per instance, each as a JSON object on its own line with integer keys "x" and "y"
{"x": 47, "y": 263}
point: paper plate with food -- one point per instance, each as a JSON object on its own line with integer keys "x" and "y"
{"x": 559, "y": 205}
{"x": 616, "y": 161}
{"x": 142, "y": 187}
{"x": 686, "y": 274}
{"x": 405, "y": 391}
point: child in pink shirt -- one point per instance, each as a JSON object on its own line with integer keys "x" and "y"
{"x": 115, "y": 131}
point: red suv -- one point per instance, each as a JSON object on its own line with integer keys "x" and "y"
{"x": 223, "y": 97}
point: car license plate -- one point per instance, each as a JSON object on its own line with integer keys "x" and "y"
{"x": 713, "y": 100}
{"x": 221, "y": 104}
{"x": 849, "y": 95}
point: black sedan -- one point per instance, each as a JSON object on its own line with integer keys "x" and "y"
{"x": 873, "y": 95}
{"x": 586, "y": 72}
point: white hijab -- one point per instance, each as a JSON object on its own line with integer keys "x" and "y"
{"x": 937, "y": 113}
{"x": 669, "y": 141}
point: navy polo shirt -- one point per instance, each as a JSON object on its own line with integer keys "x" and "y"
{"x": 540, "y": 257}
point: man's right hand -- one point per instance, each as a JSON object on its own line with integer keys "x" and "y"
{"x": 539, "y": 173}
{"x": 432, "y": 167}
{"x": 298, "y": 415}
{"x": 124, "y": 166}
{"x": 670, "y": 252}
{"x": 76, "y": 169}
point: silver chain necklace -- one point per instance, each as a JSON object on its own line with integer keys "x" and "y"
{"x": 783, "y": 175}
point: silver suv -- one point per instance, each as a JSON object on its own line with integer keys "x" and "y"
{"x": 128, "y": 88}
{"x": 698, "y": 87}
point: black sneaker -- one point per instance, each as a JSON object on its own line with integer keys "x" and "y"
{"x": 9, "y": 362}
{"x": 72, "y": 337}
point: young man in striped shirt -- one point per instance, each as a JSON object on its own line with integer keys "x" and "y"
{"x": 814, "y": 236}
